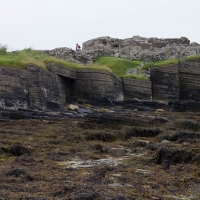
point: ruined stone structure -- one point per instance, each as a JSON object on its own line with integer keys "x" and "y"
{"x": 135, "y": 48}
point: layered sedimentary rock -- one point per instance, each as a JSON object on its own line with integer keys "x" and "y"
{"x": 80, "y": 57}
{"x": 39, "y": 89}
{"x": 89, "y": 84}
{"x": 46, "y": 90}
{"x": 36, "y": 88}
{"x": 96, "y": 85}
{"x": 165, "y": 82}
{"x": 33, "y": 88}
{"x": 140, "y": 89}
{"x": 61, "y": 70}
{"x": 189, "y": 75}
{"x": 13, "y": 88}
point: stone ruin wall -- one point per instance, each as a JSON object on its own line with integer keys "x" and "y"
{"x": 135, "y": 48}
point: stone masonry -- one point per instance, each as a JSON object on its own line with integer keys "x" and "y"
{"x": 135, "y": 48}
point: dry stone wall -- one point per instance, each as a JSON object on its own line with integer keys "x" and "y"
{"x": 135, "y": 48}
{"x": 61, "y": 70}
{"x": 141, "y": 48}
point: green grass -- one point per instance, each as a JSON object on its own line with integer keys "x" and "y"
{"x": 159, "y": 63}
{"x": 20, "y": 59}
{"x": 75, "y": 65}
{"x": 118, "y": 66}
{"x": 191, "y": 58}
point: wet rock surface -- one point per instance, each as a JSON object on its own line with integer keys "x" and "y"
{"x": 100, "y": 151}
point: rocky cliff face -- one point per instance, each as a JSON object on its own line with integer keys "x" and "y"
{"x": 13, "y": 88}
{"x": 95, "y": 84}
{"x": 140, "y": 89}
{"x": 51, "y": 89}
{"x": 45, "y": 89}
{"x": 39, "y": 89}
{"x": 189, "y": 73}
{"x": 34, "y": 89}
{"x": 90, "y": 84}
{"x": 165, "y": 82}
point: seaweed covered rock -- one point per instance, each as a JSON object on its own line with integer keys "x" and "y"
{"x": 173, "y": 156}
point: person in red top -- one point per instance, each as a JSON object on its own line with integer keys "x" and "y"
{"x": 78, "y": 48}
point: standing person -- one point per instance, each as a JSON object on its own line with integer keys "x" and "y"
{"x": 78, "y": 48}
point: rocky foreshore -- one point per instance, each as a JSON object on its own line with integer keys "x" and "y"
{"x": 104, "y": 110}
{"x": 102, "y": 151}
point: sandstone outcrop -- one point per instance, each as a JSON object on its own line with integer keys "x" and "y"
{"x": 45, "y": 89}
{"x": 13, "y": 88}
{"x": 39, "y": 89}
{"x": 165, "y": 82}
{"x": 189, "y": 75}
{"x": 96, "y": 85}
{"x": 134, "y": 88}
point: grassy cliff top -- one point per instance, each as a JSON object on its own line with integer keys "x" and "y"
{"x": 161, "y": 63}
{"x": 118, "y": 66}
{"x": 20, "y": 60}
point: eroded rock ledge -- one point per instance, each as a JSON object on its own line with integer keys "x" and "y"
{"x": 51, "y": 89}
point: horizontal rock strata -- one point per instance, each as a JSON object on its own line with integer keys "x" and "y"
{"x": 189, "y": 73}
{"x": 165, "y": 82}
{"x": 134, "y": 88}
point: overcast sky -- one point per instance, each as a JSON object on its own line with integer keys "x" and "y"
{"x": 48, "y": 24}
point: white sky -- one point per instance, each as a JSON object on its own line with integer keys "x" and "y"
{"x": 48, "y": 24}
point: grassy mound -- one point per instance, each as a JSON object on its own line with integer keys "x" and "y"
{"x": 118, "y": 66}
